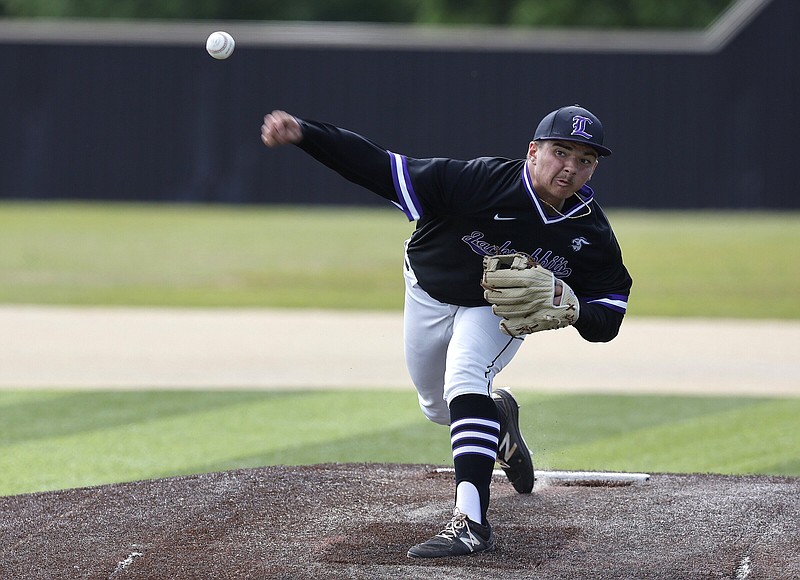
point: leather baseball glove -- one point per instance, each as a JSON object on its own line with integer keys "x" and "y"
{"x": 527, "y": 296}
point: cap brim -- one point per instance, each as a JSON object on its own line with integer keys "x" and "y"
{"x": 602, "y": 151}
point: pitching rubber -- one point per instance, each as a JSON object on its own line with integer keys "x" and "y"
{"x": 578, "y": 477}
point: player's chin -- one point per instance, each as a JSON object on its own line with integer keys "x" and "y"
{"x": 560, "y": 192}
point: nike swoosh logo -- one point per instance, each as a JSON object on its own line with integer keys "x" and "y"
{"x": 500, "y": 218}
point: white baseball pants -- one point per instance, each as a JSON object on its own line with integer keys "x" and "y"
{"x": 451, "y": 350}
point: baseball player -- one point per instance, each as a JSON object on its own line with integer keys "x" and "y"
{"x": 502, "y": 249}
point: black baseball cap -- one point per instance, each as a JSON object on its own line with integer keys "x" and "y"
{"x": 573, "y": 123}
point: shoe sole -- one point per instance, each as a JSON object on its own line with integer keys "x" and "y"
{"x": 467, "y": 555}
{"x": 520, "y": 461}
{"x": 449, "y": 544}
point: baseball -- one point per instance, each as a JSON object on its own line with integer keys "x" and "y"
{"x": 220, "y": 45}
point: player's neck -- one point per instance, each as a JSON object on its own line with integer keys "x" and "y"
{"x": 560, "y": 209}
{"x": 552, "y": 208}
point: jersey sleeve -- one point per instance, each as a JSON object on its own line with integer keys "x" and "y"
{"x": 441, "y": 186}
{"x": 352, "y": 156}
{"x": 598, "y": 324}
{"x": 603, "y": 309}
{"x": 416, "y": 186}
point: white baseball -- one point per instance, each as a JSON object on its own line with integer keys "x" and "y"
{"x": 220, "y": 45}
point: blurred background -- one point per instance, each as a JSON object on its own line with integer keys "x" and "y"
{"x": 611, "y": 13}
{"x": 119, "y": 100}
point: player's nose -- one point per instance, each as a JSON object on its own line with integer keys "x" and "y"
{"x": 570, "y": 165}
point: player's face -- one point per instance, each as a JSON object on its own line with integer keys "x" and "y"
{"x": 559, "y": 168}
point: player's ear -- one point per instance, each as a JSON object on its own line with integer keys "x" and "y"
{"x": 592, "y": 172}
{"x": 532, "y": 148}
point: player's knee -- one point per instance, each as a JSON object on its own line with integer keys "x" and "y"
{"x": 438, "y": 414}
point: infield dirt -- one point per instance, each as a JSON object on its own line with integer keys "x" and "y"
{"x": 54, "y": 347}
{"x": 358, "y": 521}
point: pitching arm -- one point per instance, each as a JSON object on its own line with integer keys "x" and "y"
{"x": 352, "y": 156}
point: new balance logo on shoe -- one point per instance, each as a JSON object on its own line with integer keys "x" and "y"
{"x": 460, "y": 537}
{"x": 506, "y": 449}
{"x": 513, "y": 454}
{"x": 470, "y": 541}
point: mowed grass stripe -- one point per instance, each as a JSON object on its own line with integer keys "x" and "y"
{"x": 123, "y": 436}
{"x": 88, "y": 454}
{"x": 759, "y": 437}
{"x": 561, "y": 421}
{"x": 415, "y": 442}
{"x": 30, "y": 415}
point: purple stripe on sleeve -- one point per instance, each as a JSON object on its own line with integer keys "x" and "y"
{"x": 403, "y": 188}
{"x": 616, "y": 302}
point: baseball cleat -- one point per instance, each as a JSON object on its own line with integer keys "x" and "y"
{"x": 460, "y": 537}
{"x": 513, "y": 454}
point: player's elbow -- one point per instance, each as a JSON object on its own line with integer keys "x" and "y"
{"x": 598, "y": 324}
{"x": 599, "y": 335}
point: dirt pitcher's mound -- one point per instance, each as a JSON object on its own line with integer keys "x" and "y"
{"x": 357, "y": 521}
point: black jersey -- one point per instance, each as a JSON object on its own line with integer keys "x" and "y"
{"x": 466, "y": 210}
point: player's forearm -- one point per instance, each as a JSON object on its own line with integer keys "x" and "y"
{"x": 352, "y": 156}
{"x": 597, "y": 323}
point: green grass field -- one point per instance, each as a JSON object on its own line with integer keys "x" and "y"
{"x": 54, "y": 440}
{"x": 708, "y": 264}
{"x": 699, "y": 264}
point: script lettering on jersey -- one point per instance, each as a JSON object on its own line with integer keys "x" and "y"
{"x": 479, "y": 246}
{"x": 558, "y": 265}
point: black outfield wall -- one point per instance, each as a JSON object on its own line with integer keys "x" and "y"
{"x": 693, "y": 124}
